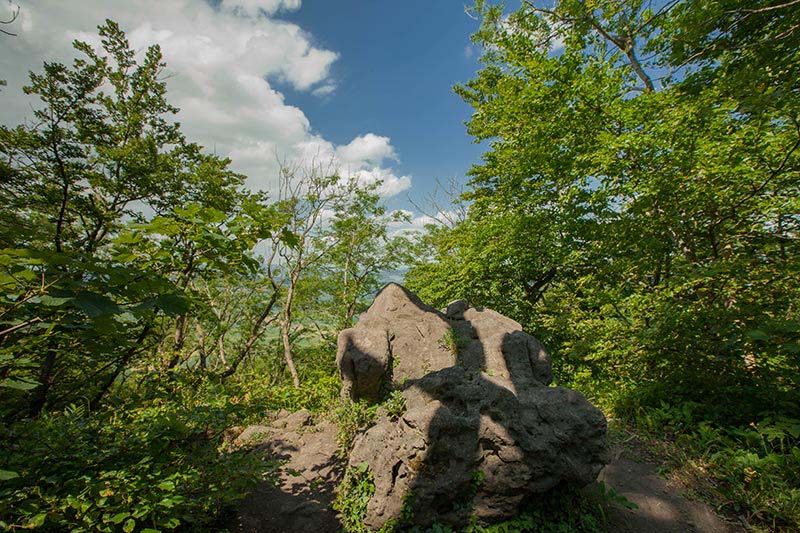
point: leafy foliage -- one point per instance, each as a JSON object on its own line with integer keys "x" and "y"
{"x": 351, "y": 417}
{"x": 645, "y": 229}
{"x": 137, "y": 318}
{"x": 752, "y": 470}
{"x": 637, "y": 210}
{"x": 352, "y": 497}
{"x": 149, "y": 466}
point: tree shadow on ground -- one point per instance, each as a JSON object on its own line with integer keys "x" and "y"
{"x": 300, "y": 500}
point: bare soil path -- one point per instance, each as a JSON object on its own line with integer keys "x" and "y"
{"x": 662, "y": 504}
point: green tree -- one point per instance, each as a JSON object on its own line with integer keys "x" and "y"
{"x": 637, "y": 206}
{"x": 80, "y": 299}
{"x": 358, "y": 248}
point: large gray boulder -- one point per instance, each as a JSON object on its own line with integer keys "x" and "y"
{"x": 482, "y": 431}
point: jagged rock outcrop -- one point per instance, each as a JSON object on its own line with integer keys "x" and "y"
{"x": 482, "y": 431}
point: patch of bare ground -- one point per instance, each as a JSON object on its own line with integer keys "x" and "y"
{"x": 664, "y": 504}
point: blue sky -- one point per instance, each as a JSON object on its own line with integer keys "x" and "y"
{"x": 399, "y": 62}
{"x": 366, "y": 84}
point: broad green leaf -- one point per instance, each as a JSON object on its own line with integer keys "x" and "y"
{"x": 7, "y": 474}
{"x": 757, "y": 335}
{"x": 37, "y": 521}
{"x": 54, "y": 301}
{"x": 96, "y": 305}
{"x": 289, "y": 239}
{"x": 119, "y": 517}
{"x": 172, "y": 304}
{"x": 18, "y": 384}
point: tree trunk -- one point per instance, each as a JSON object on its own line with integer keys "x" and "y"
{"x": 287, "y": 354}
{"x": 286, "y": 326}
{"x": 201, "y": 344}
{"x": 39, "y": 398}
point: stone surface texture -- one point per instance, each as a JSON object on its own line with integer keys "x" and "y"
{"x": 482, "y": 430}
{"x": 299, "y": 500}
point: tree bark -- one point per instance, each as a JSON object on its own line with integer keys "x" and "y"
{"x": 286, "y": 325}
{"x": 39, "y": 398}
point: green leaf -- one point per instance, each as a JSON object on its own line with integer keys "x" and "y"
{"x": 172, "y": 304}
{"x": 363, "y": 466}
{"x": 166, "y": 485}
{"x": 289, "y": 239}
{"x": 53, "y": 301}
{"x": 7, "y": 474}
{"x": 37, "y": 521}
{"x": 757, "y": 335}
{"x": 129, "y": 525}
{"x": 625, "y": 502}
{"x": 119, "y": 517}
{"x": 18, "y": 384}
{"x": 96, "y": 305}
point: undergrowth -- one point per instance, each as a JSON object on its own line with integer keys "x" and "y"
{"x": 352, "y": 497}
{"x": 152, "y": 467}
{"x": 751, "y": 471}
{"x": 155, "y": 459}
{"x": 353, "y": 416}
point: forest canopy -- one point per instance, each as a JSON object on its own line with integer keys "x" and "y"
{"x": 637, "y": 206}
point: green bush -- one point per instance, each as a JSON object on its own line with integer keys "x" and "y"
{"x": 351, "y": 417}
{"x": 157, "y": 466}
{"x": 352, "y": 497}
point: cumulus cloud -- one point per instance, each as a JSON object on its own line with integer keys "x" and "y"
{"x": 254, "y": 8}
{"x": 414, "y": 223}
{"x": 369, "y": 148}
{"x": 222, "y": 63}
{"x": 390, "y": 184}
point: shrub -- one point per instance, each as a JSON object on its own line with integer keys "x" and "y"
{"x": 157, "y": 466}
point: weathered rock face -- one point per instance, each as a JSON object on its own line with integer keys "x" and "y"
{"x": 300, "y": 497}
{"x": 482, "y": 430}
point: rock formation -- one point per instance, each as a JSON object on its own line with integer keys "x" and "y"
{"x": 298, "y": 499}
{"x": 482, "y": 431}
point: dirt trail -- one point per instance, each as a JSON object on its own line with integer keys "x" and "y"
{"x": 301, "y": 501}
{"x": 662, "y": 507}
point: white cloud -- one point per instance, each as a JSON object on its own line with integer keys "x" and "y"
{"x": 418, "y": 223}
{"x": 253, "y": 8}
{"x": 390, "y": 184}
{"x": 369, "y": 148}
{"x": 324, "y": 90}
{"x": 221, "y": 66}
